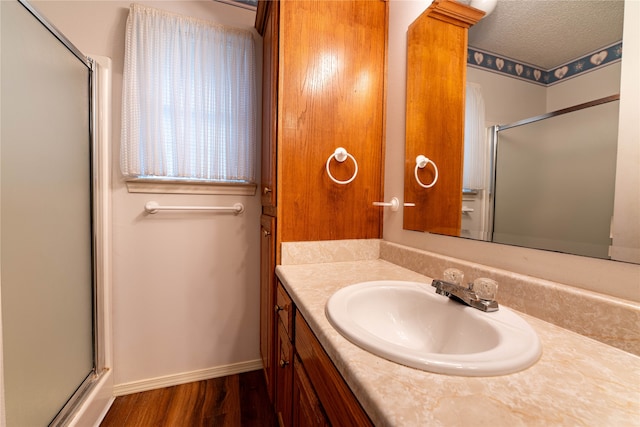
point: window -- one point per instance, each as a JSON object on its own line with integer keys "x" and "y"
{"x": 189, "y": 100}
{"x": 475, "y": 146}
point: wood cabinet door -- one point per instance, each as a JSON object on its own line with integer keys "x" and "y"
{"x": 338, "y": 401}
{"x": 307, "y": 410}
{"x": 284, "y": 377}
{"x": 269, "y": 104}
{"x": 267, "y": 299}
{"x": 331, "y": 94}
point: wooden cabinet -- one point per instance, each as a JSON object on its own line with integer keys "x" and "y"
{"x": 309, "y": 389}
{"x": 330, "y": 95}
{"x": 323, "y": 87}
{"x": 267, "y": 25}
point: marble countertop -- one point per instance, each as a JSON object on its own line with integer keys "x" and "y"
{"x": 577, "y": 381}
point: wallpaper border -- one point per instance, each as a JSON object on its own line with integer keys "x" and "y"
{"x": 520, "y": 70}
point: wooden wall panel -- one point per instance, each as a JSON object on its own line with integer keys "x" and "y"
{"x": 332, "y": 67}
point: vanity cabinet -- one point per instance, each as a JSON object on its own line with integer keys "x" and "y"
{"x": 323, "y": 83}
{"x": 309, "y": 389}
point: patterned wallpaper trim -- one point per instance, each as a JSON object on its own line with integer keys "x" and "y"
{"x": 502, "y": 65}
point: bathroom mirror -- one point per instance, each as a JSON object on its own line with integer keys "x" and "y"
{"x": 535, "y": 183}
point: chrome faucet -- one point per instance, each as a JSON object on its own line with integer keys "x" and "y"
{"x": 463, "y": 294}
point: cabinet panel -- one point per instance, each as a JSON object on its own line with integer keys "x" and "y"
{"x": 267, "y": 299}
{"x": 332, "y": 70}
{"x": 338, "y": 401}
{"x": 284, "y": 376}
{"x": 307, "y": 410}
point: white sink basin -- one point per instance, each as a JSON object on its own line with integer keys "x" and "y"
{"x": 408, "y": 323}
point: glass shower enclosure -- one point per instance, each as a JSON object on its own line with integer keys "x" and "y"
{"x": 47, "y": 243}
{"x": 554, "y": 179}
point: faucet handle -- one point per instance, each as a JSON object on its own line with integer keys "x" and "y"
{"x": 486, "y": 289}
{"x": 453, "y": 276}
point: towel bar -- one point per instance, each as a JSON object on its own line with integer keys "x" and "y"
{"x": 153, "y": 207}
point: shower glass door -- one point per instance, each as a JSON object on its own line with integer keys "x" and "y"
{"x": 555, "y": 181}
{"x": 46, "y": 273}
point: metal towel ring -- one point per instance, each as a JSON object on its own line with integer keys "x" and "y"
{"x": 341, "y": 155}
{"x": 421, "y": 163}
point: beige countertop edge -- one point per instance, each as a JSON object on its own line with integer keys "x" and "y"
{"x": 577, "y": 381}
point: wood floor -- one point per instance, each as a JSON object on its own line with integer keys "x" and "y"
{"x": 235, "y": 400}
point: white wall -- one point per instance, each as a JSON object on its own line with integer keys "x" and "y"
{"x": 185, "y": 285}
{"x": 614, "y": 278}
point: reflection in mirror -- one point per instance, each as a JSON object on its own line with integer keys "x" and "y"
{"x": 436, "y": 57}
{"x": 554, "y": 180}
{"x": 545, "y": 196}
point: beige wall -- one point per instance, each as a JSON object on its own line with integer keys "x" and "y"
{"x": 185, "y": 285}
{"x": 507, "y": 99}
{"x": 614, "y": 278}
{"x": 626, "y": 221}
{"x": 586, "y": 87}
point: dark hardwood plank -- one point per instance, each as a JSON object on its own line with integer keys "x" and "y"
{"x": 254, "y": 401}
{"x": 234, "y": 400}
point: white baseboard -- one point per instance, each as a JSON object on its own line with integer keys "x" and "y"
{"x": 186, "y": 377}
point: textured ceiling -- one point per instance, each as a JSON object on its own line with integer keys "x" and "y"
{"x": 548, "y": 33}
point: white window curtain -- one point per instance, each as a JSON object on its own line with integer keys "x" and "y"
{"x": 189, "y": 99}
{"x": 475, "y": 140}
